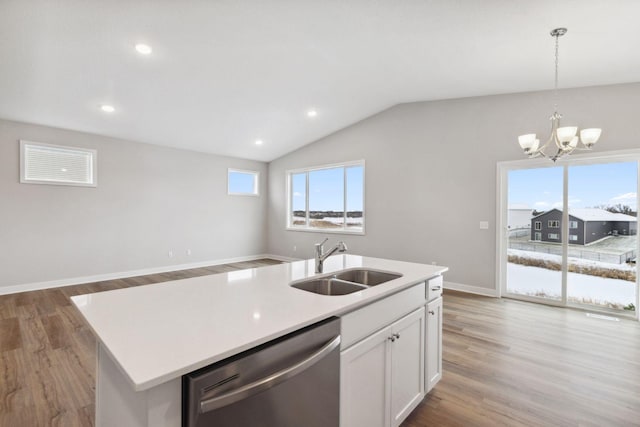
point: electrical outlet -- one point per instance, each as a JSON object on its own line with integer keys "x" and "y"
{"x": 188, "y": 252}
{"x": 295, "y": 248}
{"x": 433, "y": 263}
{"x": 170, "y": 253}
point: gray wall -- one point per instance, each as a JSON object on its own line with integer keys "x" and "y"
{"x": 149, "y": 200}
{"x": 431, "y": 172}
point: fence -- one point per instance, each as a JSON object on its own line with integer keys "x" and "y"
{"x": 574, "y": 252}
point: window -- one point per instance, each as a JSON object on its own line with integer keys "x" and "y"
{"x": 573, "y": 237}
{"x": 537, "y": 236}
{"x": 327, "y": 198}
{"x": 538, "y": 225}
{"x": 58, "y": 165}
{"x": 553, "y": 236}
{"x": 242, "y": 183}
{"x": 573, "y": 224}
{"x": 554, "y": 223}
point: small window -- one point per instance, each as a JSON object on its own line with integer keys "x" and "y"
{"x": 573, "y": 224}
{"x": 538, "y": 225}
{"x": 242, "y": 183}
{"x": 537, "y": 236}
{"x": 554, "y": 223}
{"x": 573, "y": 237}
{"x": 552, "y": 236}
{"x": 58, "y": 165}
{"x": 327, "y": 198}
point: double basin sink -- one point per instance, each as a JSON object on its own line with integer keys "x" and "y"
{"x": 346, "y": 281}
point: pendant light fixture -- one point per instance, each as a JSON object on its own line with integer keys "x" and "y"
{"x": 563, "y": 140}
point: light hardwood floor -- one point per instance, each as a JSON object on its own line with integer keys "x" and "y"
{"x": 512, "y": 363}
{"x": 506, "y": 363}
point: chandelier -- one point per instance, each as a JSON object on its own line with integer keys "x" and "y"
{"x": 563, "y": 140}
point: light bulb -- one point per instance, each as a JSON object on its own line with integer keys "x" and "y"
{"x": 527, "y": 141}
{"x": 590, "y": 136}
{"x": 566, "y": 133}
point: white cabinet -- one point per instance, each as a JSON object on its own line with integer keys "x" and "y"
{"x": 407, "y": 365}
{"x": 434, "y": 343}
{"x": 382, "y": 376}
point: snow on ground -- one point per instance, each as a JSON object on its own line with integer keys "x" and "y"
{"x": 527, "y": 280}
{"x": 575, "y": 261}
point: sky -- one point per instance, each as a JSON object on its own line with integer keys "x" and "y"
{"x": 589, "y": 186}
{"x": 326, "y": 189}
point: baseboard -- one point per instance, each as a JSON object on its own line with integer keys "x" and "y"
{"x": 471, "y": 289}
{"x": 5, "y": 290}
{"x": 281, "y": 258}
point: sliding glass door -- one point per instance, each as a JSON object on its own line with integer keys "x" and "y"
{"x": 569, "y": 234}
{"x": 534, "y": 253}
{"x": 602, "y": 236}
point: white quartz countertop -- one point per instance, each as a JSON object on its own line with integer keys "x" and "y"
{"x": 159, "y": 332}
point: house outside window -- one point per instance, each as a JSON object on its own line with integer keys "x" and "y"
{"x": 553, "y": 223}
{"x": 538, "y": 225}
{"x": 573, "y": 237}
{"x": 553, "y": 236}
{"x": 327, "y": 198}
{"x": 574, "y": 225}
{"x": 537, "y": 236}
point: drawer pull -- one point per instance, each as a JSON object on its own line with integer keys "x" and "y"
{"x": 431, "y": 312}
{"x": 436, "y": 288}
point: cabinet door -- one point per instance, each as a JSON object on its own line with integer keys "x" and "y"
{"x": 364, "y": 382}
{"x": 407, "y": 365}
{"x": 434, "y": 343}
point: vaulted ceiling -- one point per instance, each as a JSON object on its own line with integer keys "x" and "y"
{"x": 223, "y": 74}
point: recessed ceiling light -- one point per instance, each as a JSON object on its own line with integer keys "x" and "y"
{"x": 312, "y": 113}
{"x": 144, "y": 49}
{"x": 107, "y": 108}
{"x": 259, "y": 142}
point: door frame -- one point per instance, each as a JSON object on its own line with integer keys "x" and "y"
{"x": 503, "y": 169}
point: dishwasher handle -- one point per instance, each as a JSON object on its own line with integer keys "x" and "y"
{"x": 268, "y": 382}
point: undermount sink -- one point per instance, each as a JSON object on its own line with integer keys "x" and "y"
{"x": 328, "y": 286}
{"x": 367, "y": 277}
{"x": 345, "y": 282}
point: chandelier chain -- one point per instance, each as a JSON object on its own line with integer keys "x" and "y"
{"x": 555, "y": 92}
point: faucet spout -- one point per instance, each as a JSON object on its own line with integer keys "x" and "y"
{"x": 321, "y": 255}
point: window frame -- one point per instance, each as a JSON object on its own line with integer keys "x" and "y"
{"x": 557, "y": 236}
{"x": 23, "y": 169}
{"x": 553, "y": 223}
{"x": 537, "y": 225}
{"x": 256, "y": 182}
{"x": 289, "y": 195}
{"x": 573, "y": 225}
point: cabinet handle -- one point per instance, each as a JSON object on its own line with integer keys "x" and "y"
{"x": 392, "y": 338}
{"x": 397, "y": 336}
{"x": 432, "y": 312}
{"x": 436, "y": 288}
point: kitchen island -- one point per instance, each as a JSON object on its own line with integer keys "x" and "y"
{"x": 149, "y": 336}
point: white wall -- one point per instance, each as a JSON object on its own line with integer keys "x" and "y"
{"x": 149, "y": 200}
{"x": 431, "y": 172}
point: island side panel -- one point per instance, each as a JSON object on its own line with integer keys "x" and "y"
{"x": 118, "y": 404}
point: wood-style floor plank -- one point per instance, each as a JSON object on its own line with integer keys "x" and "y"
{"x": 506, "y": 363}
{"x": 47, "y": 351}
{"x": 513, "y": 363}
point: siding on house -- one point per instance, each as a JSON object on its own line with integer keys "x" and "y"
{"x": 590, "y": 225}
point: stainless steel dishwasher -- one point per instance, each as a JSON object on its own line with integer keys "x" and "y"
{"x": 292, "y": 381}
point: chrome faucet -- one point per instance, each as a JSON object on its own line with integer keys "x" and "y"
{"x": 321, "y": 255}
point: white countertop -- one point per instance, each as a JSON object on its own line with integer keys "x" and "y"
{"x": 159, "y": 332}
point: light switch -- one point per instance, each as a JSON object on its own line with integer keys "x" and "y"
{"x": 484, "y": 225}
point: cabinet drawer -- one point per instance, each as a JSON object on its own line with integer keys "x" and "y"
{"x": 366, "y": 320}
{"x": 434, "y": 288}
